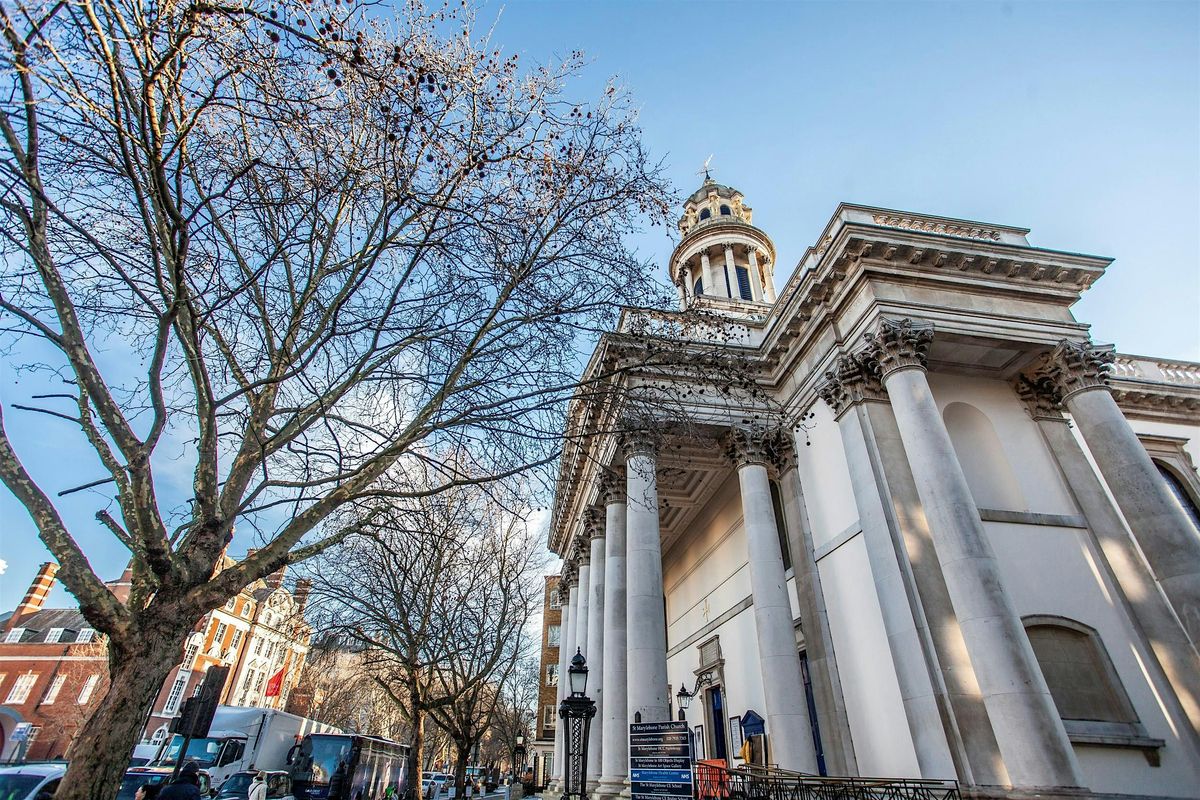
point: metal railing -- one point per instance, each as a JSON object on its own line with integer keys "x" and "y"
{"x": 714, "y": 782}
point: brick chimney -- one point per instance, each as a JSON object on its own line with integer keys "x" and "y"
{"x": 303, "y": 589}
{"x": 275, "y": 579}
{"x": 35, "y": 598}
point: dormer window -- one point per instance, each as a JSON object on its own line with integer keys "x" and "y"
{"x": 14, "y": 635}
{"x": 54, "y": 635}
{"x": 705, "y": 214}
{"x": 725, "y": 212}
{"x": 85, "y": 635}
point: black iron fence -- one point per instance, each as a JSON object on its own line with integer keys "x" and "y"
{"x": 716, "y": 782}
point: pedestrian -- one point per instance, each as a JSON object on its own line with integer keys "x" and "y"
{"x": 186, "y": 786}
{"x": 258, "y": 787}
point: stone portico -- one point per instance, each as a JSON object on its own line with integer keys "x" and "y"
{"x": 957, "y": 540}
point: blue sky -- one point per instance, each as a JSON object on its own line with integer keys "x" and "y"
{"x": 1080, "y": 121}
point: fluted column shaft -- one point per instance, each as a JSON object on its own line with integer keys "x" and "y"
{"x": 646, "y": 627}
{"x": 595, "y": 651}
{"x": 1028, "y": 729}
{"x": 615, "y": 748}
{"x": 778, "y": 658}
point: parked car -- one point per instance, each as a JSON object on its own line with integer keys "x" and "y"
{"x": 237, "y": 786}
{"x": 136, "y": 777}
{"x": 437, "y": 782}
{"x": 31, "y": 781}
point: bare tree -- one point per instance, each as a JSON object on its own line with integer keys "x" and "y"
{"x": 305, "y": 248}
{"x": 338, "y": 688}
{"x": 517, "y": 712}
{"x": 436, "y": 594}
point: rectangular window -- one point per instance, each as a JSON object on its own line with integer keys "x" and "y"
{"x": 743, "y": 279}
{"x": 552, "y": 674}
{"x": 258, "y": 681}
{"x": 553, "y": 635}
{"x": 189, "y": 656}
{"x": 21, "y": 688}
{"x": 176, "y": 693}
{"x": 258, "y": 647}
{"x": 549, "y": 717}
{"x": 219, "y": 636}
{"x": 54, "y": 635}
{"x": 555, "y": 599}
{"x": 85, "y": 636}
{"x": 14, "y": 635}
{"x": 55, "y": 687}
{"x": 236, "y": 640}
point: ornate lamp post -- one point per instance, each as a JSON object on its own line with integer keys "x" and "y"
{"x": 684, "y": 697}
{"x": 576, "y": 711}
{"x": 518, "y": 759}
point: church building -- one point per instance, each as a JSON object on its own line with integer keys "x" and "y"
{"x": 954, "y": 539}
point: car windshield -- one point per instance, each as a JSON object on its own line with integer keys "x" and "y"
{"x": 202, "y": 751}
{"x": 236, "y": 786}
{"x": 15, "y": 787}
{"x": 131, "y": 783}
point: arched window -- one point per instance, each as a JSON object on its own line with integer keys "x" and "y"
{"x": 725, "y": 212}
{"x": 1180, "y": 493}
{"x": 705, "y": 214}
{"x": 159, "y": 735}
{"x": 743, "y": 280}
{"x": 698, "y": 287}
{"x": 1078, "y": 672}
{"x": 987, "y": 469}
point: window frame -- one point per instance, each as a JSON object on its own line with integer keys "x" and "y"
{"x": 21, "y": 689}
{"x": 88, "y": 689}
{"x": 53, "y": 690}
{"x": 1129, "y": 733}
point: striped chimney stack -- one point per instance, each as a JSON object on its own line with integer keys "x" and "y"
{"x": 35, "y": 598}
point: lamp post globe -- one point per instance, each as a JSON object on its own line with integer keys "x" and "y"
{"x": 576, "y": 711}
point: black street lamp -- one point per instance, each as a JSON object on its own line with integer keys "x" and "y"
{"x": 519, "y": 757}
{"x": 576, "y": 711}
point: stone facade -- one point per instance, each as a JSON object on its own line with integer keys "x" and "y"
{"x": 546, "y": 723}
{"x": 950, "y": 537}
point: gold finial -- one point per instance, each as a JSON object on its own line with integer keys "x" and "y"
{"x": 705, "y": 169}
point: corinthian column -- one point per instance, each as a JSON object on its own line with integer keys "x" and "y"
{"x": 730, "y": 272}
{"x": 1028, "y": 729}
{"x": 568, "y": 593}
{"x": 778, "y": 660}
{"x": 615, "y": 756}
{"x": 595, "y": 644}
{"x": 646, "y": 624}
{"x": 757, "y": 282}
{"x": 1075, "y": 374}
{"x": 706, "y": 277}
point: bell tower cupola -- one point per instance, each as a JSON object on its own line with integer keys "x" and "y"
{"x": 722, "y": 260}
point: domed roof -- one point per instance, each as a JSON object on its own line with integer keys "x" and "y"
{"x": 710, "y": 185}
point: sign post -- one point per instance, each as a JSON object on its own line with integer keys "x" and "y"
{"x": 660, "y": 761}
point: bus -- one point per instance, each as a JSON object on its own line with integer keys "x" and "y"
{"x": 333, "y": 766}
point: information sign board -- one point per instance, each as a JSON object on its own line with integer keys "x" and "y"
{"x": 660, "y": 760}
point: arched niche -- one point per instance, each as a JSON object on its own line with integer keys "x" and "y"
{"x": 989, "y": 474}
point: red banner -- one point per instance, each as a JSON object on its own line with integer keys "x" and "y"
{"x": 275, "y": 685}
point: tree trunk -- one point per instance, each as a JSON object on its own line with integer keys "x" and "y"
{"x": 463, "y": 756}
{"x": 416, "y": 755}
{"x": 137, "y": 669}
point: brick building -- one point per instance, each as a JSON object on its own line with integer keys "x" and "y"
{"x": 54, "y": 668}
{"x": 547, "y": 716}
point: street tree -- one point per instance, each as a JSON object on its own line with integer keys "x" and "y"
{"x": 435, "y": 593}
{"x": 288, "y": 248}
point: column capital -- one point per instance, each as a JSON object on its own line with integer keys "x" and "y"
{"x": 1070, "y": 368}
{"x": 644, "y": 442}
{"x": 611, "y": 487}
{"x": 593, "y": 523}
{"x": 1040, "y": 404}
{"x": 899, "y": 344}
{"x": 568, "y": 576}
{"x": 727, "y": 246}
{"x": 852, "y": 379}
{"x": 755, "y": 444}
{"x": 751, "y": 248}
